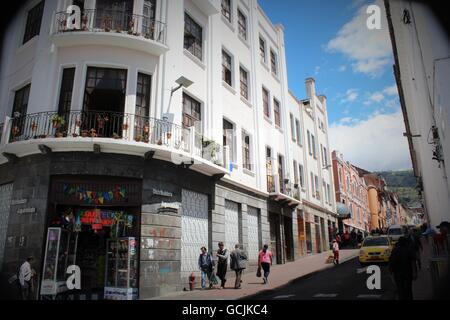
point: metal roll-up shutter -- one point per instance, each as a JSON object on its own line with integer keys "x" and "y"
{"x": 253, "y": 233}
{"x": 194, "y": 230}
{"x": 231, "y": 224}
{"x": 5, "y": 203}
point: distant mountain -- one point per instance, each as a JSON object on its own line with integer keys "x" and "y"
{"x": 404, "y": 184}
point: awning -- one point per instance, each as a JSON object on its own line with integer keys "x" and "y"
{"x": 343, "y": 211}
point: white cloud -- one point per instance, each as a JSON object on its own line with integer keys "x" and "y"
{"x": 391, "y": 91}
{"x": 350, "y": 96}
{"x": 377, "y": 97}
{"x": 369, "y": 50}
{"x": 316, "y": 70}
{"x": 374, "y": 144}
{"x": 342, "y": 68}
{"x": 348, "y": 120}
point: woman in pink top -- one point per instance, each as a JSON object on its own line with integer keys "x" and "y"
{"x": 265, "y": 261}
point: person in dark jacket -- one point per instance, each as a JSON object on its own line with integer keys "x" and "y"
{"x": 206, "y": 265}
{"x": 402, "y": 264}
{"x": 222, "y": 264}
{"x": 238, "y": 264}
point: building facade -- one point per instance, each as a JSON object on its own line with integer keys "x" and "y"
{"x": 352, "y": 192}
{"x": 422, "y": 69}
{"x": 144, "y": 130}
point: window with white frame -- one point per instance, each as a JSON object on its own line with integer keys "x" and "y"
{"x": 302, "y": 176}
{"x": 34, "y": 21}
{"x": 297, "y": 127}
{"x": 273, "y": 62}
{"x": 193, "y": 37}
{"x": 246, "y": 151}
{"x": 295, "y": 172}
{"x": 244, "y": 83}
{"x": 276, "y": 112}
{"x": 226, "y": 68}
{"x": 228, "y": 138}
{"x": 293, "y": 135}
{"x": 309, "y": 143}
{"x": 313, "y": 144}
{"x": 266, "y": 104}
{"x": 262, "y": 49}
{"x": 226, "y": 9}
{"x": 242, "y": 25}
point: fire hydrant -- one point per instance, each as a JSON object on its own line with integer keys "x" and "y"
{"x": 192, "y": 281}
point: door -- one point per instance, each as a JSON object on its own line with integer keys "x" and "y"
{"x": 5, "y": 202}
{"x": 308, "y": 237}
{"x": 253, "y": 233}
{"x": 231, "y": 224}
{"x": 288, "y": 238}
{"x": 318, "y": 237}
{"x": 194, "y": 230}
{"x": 275, "y": 242}
{"x": 301, "y": 234}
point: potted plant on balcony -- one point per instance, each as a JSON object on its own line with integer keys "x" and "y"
{"x": 15, "y": 131}
{"x": 93, "y": 133}
{"x": 58, "y": 121}
{"x": 131, "y": 27}
{"x": 139, "y": 138}
{"x": 84, "y": 133}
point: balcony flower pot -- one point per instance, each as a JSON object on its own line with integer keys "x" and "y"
{"x": 43, "y": 136}
{"x": 84, "y": 133}
{"x": 58, "y": 121}
{"x": 160, "y": 142}
{"x": 138, "y": 138}
{"x": 169, "y": 135}
{"x": 15, "y": 131}
{"x": 93, "y": 133}
{"x": 59, "y": 134}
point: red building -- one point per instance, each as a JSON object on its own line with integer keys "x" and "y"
{"x": 351, "y": 194}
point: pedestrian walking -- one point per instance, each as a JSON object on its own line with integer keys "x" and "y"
{"x": 402, "y": 264}
{"x": 206, "y": 265}
{"x": 335, "y": 252}
{"x": 26, "y": 277}
{"x": 238, "y": 263}
{"x": 222, "y": 264}
{"x": 265, "y": 261}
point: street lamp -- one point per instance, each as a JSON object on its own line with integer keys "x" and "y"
{"x": 182, "y": 82}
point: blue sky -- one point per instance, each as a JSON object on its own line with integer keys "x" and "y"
{"x": 352, "y": 65}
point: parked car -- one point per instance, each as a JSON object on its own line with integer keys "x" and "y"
{"x": 395, "y": 232}
{"x": 375, "y": 249}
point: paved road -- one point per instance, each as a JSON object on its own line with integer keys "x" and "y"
{"x": 344, "y": 282}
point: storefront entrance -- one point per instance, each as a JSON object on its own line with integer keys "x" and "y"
{"x": 288, "y": 239}
{"x": 301, "y": 234}
{"x": 275, "y": 241}
{"x": 95, "y": 226}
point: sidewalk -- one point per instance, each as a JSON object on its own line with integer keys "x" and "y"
{"x": 280, "y": 275}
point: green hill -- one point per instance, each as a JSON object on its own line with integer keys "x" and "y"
{"x": 403, "y": 183}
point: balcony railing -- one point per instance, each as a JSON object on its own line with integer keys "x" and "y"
{"x": 282, "y": 186}
{"x": 113, "y": 125}
{"x": 100, "y": 20}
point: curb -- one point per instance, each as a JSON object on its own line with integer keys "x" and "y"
{"x": 293, "y": 281}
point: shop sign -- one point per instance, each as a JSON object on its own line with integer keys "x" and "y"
{"x": 26, "y": 210}
{"x": 162, "y": 193}
{"x": 18, "y": 202}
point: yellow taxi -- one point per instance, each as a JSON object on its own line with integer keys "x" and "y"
{"x": 375, "y": 249}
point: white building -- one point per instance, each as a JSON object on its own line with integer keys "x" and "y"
{"x": 422, "y": 70}
{"x": 173, "y": 114}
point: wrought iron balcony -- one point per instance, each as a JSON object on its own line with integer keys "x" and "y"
{"x": 117, "y": 126}
{"x": 100, "y": 20}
